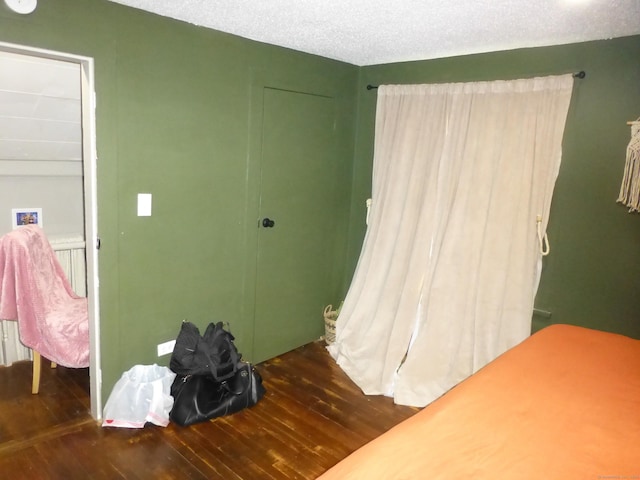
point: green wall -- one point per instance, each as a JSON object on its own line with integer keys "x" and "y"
{"x": 592, "y": 276}
{"x": 173, "y": 119}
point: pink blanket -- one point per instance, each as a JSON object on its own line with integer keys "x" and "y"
{"x": 34, "y": 290}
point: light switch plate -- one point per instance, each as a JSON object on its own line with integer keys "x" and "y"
{"x": 144, "y": 204}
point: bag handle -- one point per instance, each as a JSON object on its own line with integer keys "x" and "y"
{"x": 228, "y": 368}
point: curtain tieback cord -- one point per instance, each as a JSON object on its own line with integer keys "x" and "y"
{"x": 542, "y": 239}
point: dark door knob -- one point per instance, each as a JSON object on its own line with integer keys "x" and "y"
{"x": 268, "y": 223}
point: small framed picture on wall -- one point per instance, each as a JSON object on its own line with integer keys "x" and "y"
{"x": 26, "y": 216}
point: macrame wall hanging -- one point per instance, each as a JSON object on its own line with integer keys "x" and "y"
{"x": 630, "y": 188}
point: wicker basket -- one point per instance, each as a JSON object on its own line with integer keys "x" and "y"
{"x": 330, "y": 317}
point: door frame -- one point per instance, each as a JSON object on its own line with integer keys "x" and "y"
{"x": 89, "y": 160}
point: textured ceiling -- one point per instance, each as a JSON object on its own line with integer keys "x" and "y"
{"x": 377, "y": 31}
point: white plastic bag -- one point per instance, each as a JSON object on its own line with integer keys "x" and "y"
{"x": 143, "y": 394}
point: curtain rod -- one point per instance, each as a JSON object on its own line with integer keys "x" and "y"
{"x": 580, "y": 74}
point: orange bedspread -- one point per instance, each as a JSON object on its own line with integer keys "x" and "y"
{"x": 564, "y": 404}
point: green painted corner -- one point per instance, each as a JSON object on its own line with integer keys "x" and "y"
{"x": 591, "y": 276}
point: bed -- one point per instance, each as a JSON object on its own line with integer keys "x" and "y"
{"x": 564, "y": 404}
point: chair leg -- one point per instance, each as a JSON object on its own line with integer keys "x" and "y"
{"x": 37, "y": 361}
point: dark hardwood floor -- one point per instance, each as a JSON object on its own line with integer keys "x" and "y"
{"x": 311, "y": 417}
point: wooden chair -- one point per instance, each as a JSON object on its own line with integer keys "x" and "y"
{"x": 37, "y": 369}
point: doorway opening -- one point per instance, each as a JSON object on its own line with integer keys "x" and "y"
{"x": 85, "y": 78}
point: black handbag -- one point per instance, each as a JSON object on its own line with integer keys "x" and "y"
{"x": 198, "y": 398}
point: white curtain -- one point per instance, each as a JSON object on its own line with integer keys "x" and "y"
{"x": 451, "y": 259}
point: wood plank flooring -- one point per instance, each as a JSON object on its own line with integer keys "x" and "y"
{"x": 311, "y": 417}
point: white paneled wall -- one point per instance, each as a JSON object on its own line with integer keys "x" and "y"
{"x": 40, "y": 122}
{"x": 12, "y": 349}
{"x": 71, "y": 254}
{"x": 41, "y": 163}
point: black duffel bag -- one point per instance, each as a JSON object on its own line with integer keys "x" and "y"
{"x": 198, "y": 398}
{"x": 211, "y": 379}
